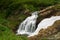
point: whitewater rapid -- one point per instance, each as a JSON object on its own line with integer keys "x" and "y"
{"x": 28, "y": 25}
{"x": 44, "y": 24}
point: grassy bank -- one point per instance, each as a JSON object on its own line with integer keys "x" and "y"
{"x": 6, "y": 32}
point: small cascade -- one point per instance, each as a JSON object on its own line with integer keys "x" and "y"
{"x": 28, "y": 25}
{"x": 44, "y": 24}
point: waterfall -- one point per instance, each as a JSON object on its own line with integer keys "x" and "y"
{"x": 44, "y": 24}
{"x": 28, "y": 25}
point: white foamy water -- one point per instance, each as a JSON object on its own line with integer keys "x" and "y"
{"x": 28, "y": 25}
{"x": 44, "y": 24}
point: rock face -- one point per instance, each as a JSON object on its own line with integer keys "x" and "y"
{"x": 48, "y": 12}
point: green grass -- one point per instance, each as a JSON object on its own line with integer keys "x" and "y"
{"x": 7, "y": 34}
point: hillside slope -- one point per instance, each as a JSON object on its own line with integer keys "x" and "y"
{"x": 13, "y": 12}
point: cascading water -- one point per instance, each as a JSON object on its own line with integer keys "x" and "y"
{"x": 44, "y": 24}
{"x": 28, "y": 25}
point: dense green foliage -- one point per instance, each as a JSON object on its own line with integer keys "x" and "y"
{"x": 10, "y": 6}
